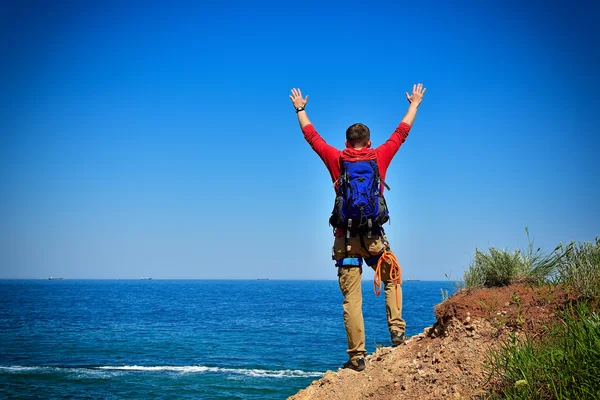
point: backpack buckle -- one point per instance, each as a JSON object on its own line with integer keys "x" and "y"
{"x": 348, "y": 235}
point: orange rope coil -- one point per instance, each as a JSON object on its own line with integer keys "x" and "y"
{"x": 395, "y": 273}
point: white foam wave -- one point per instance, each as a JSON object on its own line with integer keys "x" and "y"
{"x": 261, "y": 373}
{"x": 18, "y": 368}
{"x": 190, "y": 369}
{"x": 80, "y": 372}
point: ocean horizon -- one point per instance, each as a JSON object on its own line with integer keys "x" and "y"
{"x": 184, "y": 338}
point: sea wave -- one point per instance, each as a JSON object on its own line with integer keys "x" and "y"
{"x": 262, "y": 373}
{"x": 78, "y": 372}
{"x": 18, "y": 368}
{"x": 187, "y": 369}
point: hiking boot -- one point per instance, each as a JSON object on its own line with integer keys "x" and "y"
{"x": 398, "y": 338}
{"x": 358, "y": 364}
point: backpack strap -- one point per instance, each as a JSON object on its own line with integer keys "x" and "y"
{"x": 378, "y": 175}
{"x": 347, "y": 236}
{"x": 341, "y": 180}
{"x": 384, "y": 184}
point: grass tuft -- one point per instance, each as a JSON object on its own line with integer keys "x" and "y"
{"x": 580, "y": 267}
{"x": 565, "y": 365}
{"x": 500, "y": 267}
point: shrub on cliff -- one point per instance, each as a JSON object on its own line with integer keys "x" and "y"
{"x": 501, "y": 267}
{"x": 579, "y": 267}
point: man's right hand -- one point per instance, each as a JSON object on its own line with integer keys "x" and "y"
{"x": 414, "y": 99}
{"x": 417, "y": 95}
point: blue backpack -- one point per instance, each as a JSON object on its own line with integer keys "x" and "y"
{"x": 359, "y": 204}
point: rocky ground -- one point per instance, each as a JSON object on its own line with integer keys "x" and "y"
{"x": 449, "y": 359}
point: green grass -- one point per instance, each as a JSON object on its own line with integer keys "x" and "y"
{"x": 565, "y": 365}
{"x": 579, "y": 267}
{"x": 500, "y": 267}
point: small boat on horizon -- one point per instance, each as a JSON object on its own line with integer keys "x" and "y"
{"x": 55, "y": 279}
{"x": 145, "y": 278}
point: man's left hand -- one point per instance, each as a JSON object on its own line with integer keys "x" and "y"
{"x": 297, "y": 99}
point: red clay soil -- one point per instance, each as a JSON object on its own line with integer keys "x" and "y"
{"x": 449, "y": 359}
{"x": 519, "y": 307}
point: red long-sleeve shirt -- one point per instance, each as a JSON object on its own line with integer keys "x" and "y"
{"x": 332, "y": 156}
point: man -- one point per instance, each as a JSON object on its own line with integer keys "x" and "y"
{"x": 371, "y": 247}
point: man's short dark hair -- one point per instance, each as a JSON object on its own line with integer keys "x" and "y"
{"x": 358, "y": 135}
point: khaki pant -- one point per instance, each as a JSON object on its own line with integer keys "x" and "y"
{"x": 350, "y": 284}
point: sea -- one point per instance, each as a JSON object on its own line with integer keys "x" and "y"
{"x": 184, "y": 339}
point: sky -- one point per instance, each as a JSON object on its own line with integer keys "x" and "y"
{"x": 157, "y": 139}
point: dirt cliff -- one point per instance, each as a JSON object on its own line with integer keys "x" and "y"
{"x": 449, "y": 359}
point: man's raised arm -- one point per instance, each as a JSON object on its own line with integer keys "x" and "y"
{"x": 390, "y": 147}
{"x": 328, "y": 153}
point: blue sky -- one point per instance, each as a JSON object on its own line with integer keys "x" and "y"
{"x": 159, "y": 140}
